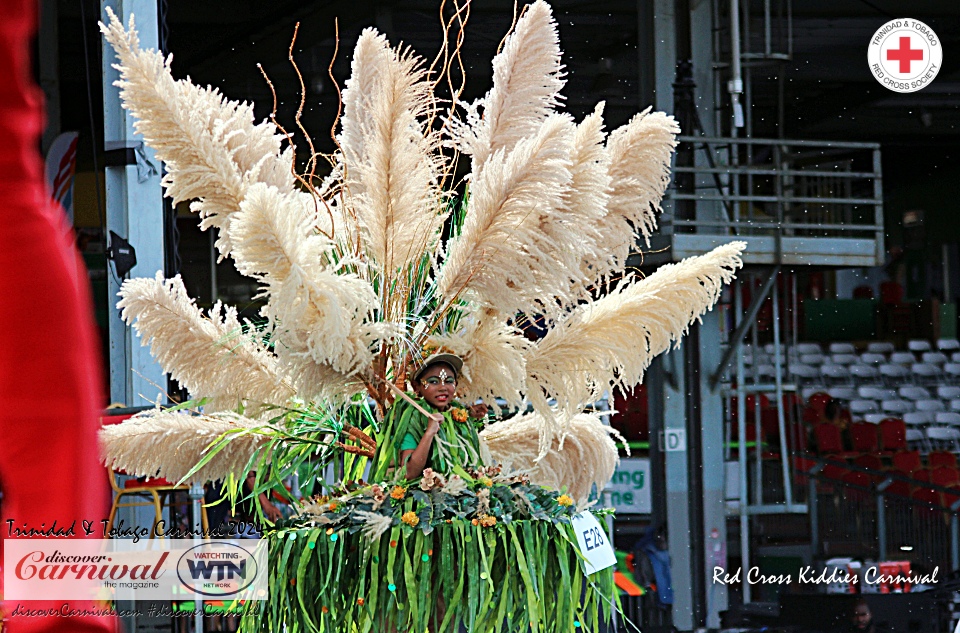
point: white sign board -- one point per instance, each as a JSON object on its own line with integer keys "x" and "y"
{"x": 675, "y": 440}
{"x": 629, "y": 488}
{"x": 594, "y": 544}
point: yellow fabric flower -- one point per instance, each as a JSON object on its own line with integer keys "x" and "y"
{"x": 398, "y": 492}
{"x": 488, "y": 521}
{"x": 459, "y": 415}
{"x": 410, "y": 518}
{"x": 565, "y": 500}
{"x": 486, "y": 481}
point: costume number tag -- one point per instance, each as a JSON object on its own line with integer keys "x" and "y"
{"x": 594, "y": 544}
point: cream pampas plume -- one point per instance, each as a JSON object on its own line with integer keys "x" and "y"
{"x": 527, "y": 79}
{"x": 492, "y": 352}
{"x": 588, "y": 353}
{"x": 584, "y": 457}
{"x": 639, "y": 164}
{"x": 161, "y": 443}
{"x": 212, "y": 149}
{"x": 391, "y": 167}
{"x": 211, "y": 356}
{"x": 502, "y": 255}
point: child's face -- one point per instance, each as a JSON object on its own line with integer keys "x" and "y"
{"x": 437, "y": 385}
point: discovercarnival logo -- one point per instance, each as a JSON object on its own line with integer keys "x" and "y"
{"x": 905, "y": 55}
{"x": 122, "y": 569}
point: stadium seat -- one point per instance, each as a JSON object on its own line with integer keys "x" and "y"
{"x": 897, "y": 406}
{"x": 947, "y": 417}
{"x": 829, "y": 441}
{"x": 864, "y": 374}
{"x": 943, "y": 438}
{"x": 907, "y": 460}
{"x": 861, "y": 407}
{"x": 893, "y": 435}
{"x": 844, "y": 359}
{"x": 925, "y": 373}
{"x": 872, "y": 392}
{"x": 903, "y": 358}
{"x": 811, "y": 348}
{"x": 899, "y": 484}
{"x": 842, "y": 393}
{"x": 955, "y": 404}
{"x": 813, "y": 359}
{"x": 930, "y": 405}
{"x": 934, "y": 358}
{"x": 919, "y": 345}
{"x": 913, "y": 392}
{"x": 916, "y": 439}
{"x": 941, "y": 458}
{"x": 804, "y": 372}
{"x": 893, "y": 374}
{"x": 872, "y": 358}
{"x": 948, "y": 345}
{"x": 875, "y": 418}
{"x": 835, "y": 374}
{"x": 948, "y": 392}
{"x": 917, "y": 418}
{"x": 880, "y": 347}
{"x": 872, "y": 462}
{"x": 953, "y": 369}
{"x": 863, "y": 437}
{"x": 945, "y": 476}
{"x": 842, "y": 348}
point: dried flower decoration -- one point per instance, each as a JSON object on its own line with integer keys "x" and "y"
{"x": 410, "y": 518}
{"x": 398, "y": 492}
{"x": 431, "y": 480}
{"x": 459, "y": 415}
{"x": 565, "y": 500}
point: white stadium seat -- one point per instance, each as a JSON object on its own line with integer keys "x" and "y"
{"x": 930, "y": 405}
{"x": 842, "y": 348}
{"x": 912, "y": 392}
{"x": 897, "y": 406}
{"x": 862, "y": 407}
{"x": 864, "y": 373}
{"x": 903, "y": 358}
{"x": 871, "y": 392}
{"x": 934, "y": 358}
{"x": 809, "y": 348}
{"x": 948, "y": 345}
{"x": 947, "y": 417}
{"x": 917, "y": 418}
{"x": 880, "y": 347}
{"x": 872, "y": 358}
{"x": 843, "y": 393}
{"x": 919, "y": 345}
{"x": 948, "y": 392}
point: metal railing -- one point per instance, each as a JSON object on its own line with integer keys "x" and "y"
{"x": 781, "y": 188}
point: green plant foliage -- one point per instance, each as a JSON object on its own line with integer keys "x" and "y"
{"x": 490, "y": 579}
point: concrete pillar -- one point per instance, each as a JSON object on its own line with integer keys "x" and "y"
{"x": 134, "y": 212}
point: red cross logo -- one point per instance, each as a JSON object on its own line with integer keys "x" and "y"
{"x": 905, "y": 54}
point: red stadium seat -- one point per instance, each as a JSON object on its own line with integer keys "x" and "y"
{"x": 942, "y": 458}
{"x": 863, "y": 437}
{"x": 893, "y": 435}
{"x": 907, "y": 461}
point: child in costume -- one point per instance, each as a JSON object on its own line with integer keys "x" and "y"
{"x": 445, "y": 438}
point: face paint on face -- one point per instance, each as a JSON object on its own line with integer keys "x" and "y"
{"x": 437, "y": 385}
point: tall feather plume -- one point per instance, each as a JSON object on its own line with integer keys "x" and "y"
{"x": 575, "y": 229}
{"x": 502, "y": 256}
{"x": 527, "y": 79}
{"x": 390, "y": 155}
{"x": 639, "y": 165}
{"x": 492, "y": 353}
{"x": 211, "y": 147}
{"x": 585, "y": 354}
{"x": 211, "y": 356}
{"x": 585, "y": 456}
{"x": 163, "y": 443}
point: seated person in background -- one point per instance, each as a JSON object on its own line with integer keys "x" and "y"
{"x": 833, "y": 414}
{"x": 861, "y": 620}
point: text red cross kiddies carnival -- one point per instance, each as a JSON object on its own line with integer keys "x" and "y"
{"x": 905, "y": 54}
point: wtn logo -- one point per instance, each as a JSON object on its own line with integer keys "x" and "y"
{"x": 224, "y": 569}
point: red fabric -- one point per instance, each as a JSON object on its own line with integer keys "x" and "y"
{"x": 907, "y": 460}
{"x": 49, "y": 374}
{"x": 942, "y": 458}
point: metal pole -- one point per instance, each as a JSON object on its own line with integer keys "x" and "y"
{"x": 742, "y": 450}
{"x": 778, "y": 390}
{"x": 882, "y": 526}
{"x": 735, "y": 87}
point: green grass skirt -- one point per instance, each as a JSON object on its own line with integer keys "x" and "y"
{"x": 520, "y": 576}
